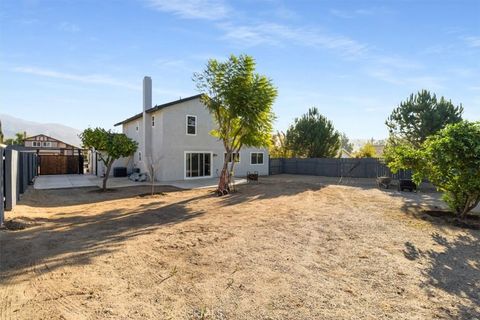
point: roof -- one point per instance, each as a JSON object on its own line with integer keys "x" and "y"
{"x": 158, "y": 107}
{"x": 41, "y": 134}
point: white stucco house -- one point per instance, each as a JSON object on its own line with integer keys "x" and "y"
{"x": 175, "y": 136}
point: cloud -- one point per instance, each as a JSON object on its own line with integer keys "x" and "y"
{"x": 277, "y": 34}
{"x": 192, "y": 9}
{"x": 90, "y": 79}
{"x": 402, "y": 78}
{"x": 69, "y": 27}
{"x": 349, "y": 14}
{"x": 472, "y": 41}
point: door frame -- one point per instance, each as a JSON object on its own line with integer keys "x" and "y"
{"x": 185, "y": 165}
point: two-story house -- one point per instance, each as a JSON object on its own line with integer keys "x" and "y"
{"x": 176, "y": 138}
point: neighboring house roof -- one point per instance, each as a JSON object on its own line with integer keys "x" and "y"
{"x": 345, "y": 154}
{"x": 158, "y": 107}
{"x": 379, "y": 149}
{"x": 44, "y": 135}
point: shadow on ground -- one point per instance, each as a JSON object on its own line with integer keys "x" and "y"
{"x": 454, "y": 269}
{"x": 63, "y": 197}
{"x": 77, "y": 238}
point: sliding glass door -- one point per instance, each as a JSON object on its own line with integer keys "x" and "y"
{"x": 198, "y": 164}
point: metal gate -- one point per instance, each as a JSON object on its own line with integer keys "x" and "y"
{"x": 61, "y": 164}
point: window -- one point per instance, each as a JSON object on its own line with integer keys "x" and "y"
{"x": 256, "y": 158}
{"x": 191, "y": 125}
{"x": 139, "y": 156}
{"x": 153, "y": 121}
{"x": 36, "y": 144}
{"x": 47, "y": 144}
{"x": 197, "y": 164}
{"x": 234, "y": 155}
{"x": 136, "y": 127}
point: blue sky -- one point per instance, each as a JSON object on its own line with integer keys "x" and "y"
{"x": 81, "y": 63}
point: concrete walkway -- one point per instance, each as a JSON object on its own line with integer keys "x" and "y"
{"x": 66, "y": 181}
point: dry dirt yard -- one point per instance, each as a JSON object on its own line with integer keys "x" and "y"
{"x": 291, "y": 247}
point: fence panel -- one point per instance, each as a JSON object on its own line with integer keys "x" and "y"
{"x": 2, "y": 206}
{"x": 335, "y": 167}
{"x": 18, "y": 171}
{"x": 11, "y": 179}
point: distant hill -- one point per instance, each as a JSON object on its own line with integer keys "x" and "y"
{"x": 12, "y": 125}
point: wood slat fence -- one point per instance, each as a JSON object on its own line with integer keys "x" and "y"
{"x": 335, "y": 167}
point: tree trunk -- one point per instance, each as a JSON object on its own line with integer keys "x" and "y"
{"x": 224, "y": 179}
{"x": 107, "y": 174}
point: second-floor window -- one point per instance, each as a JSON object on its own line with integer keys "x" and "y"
{"x": 47, "y": 144}
{"x": 153, "y": 121}
{"x": 191, "y": 125}
{"x": 139, "y": 156}
{"x": 36, "y": 144}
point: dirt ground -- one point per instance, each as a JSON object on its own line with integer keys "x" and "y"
{"x": 290, "y": 247}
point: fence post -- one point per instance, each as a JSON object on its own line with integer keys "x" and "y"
{"x": 2, "y": 177}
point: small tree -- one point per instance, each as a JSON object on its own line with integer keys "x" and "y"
{"x": 366, "y": 151}
{"x": 153, "y": 167}
{"x": 420, "y": 116}
{"x": 345, "y": 143}
{"x": 313, "y": 136}
{"x": 240, "y": 101}
{"x": 450, "y": 160}
{"x": 109, "y": 145}
{"x": 278, "y": 148}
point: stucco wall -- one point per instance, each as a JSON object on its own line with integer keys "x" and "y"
{"x": 170, "y": 143}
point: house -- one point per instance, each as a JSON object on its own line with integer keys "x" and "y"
{"x": 45, "y": 145}
{"x": 345, "y": 154}
{"x": 175, "y": 137}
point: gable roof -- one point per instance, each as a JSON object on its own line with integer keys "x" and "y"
{"x": 44, "y": 135}
{"x": 158, "y": 107}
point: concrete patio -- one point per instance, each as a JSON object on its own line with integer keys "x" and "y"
{"x": 66, "y": 181}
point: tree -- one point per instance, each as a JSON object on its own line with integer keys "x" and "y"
{"x": 366, "y": 151}
{"x": 240, "y": 101}
{"x": 18, "y": 140}
{"x": 450, "y": 160}
{"x": 313, "y": 136}
{"x": 109, "y": 145}
{"x": 345, "y": 143}
{"x": 1, "y": 132}
{"x": 278, "y": 147}
{"x": 420, "y": 116}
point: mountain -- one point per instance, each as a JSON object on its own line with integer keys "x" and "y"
{"x": 12, "y": 125}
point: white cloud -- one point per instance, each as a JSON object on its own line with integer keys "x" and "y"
{"x": 192, "y": 9}
{"x": 69, "y": 27}
{"x": 90, "y": 79}
{"x": 349, "y": 14}
{"x": 277, "y": 34}
{"x": 472, "y": 41}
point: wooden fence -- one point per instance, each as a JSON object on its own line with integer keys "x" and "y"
{"x": 61, "y": 164}
{"x": 17, "y": 171}
{"x": 334, "y": 167}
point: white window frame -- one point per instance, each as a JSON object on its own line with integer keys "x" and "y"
{"x": 257, "y": 164}
{"x": 36, "y": 143}
{"x": 139, "y": 155}
{"x": 47, "y": 144}
{"x": 153, "y": 121}
{"x": 186, "y": 125}
{"x": 185, "y": 166}
{"x": 239, "y": 157}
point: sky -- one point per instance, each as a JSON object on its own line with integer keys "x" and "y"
{"x": 81, "y": 63}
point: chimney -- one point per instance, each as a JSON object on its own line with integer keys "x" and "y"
{"x": 146, "y": 144}
{"x": 147, "y": 93}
